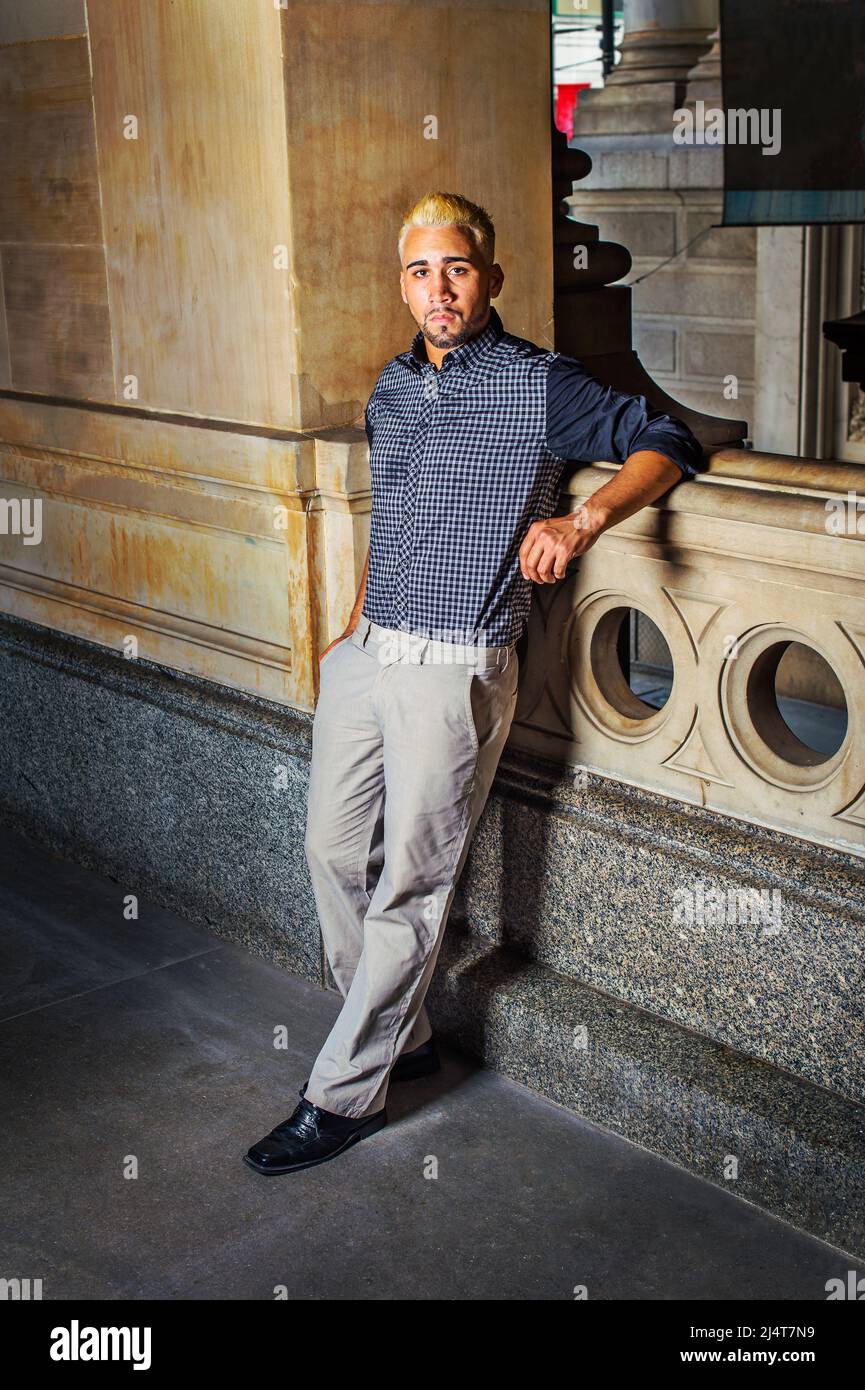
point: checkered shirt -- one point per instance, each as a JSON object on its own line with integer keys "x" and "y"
{"x": 463, "y": 459}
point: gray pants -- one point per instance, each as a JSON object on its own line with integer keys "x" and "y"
{"x": 406, "y": 739}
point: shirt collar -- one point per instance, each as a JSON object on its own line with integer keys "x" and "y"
{"x": 465, "y": 355}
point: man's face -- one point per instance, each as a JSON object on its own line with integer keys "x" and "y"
{"x": 446, "y": 285}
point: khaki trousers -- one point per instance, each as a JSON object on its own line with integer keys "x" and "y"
{"x": 406, "y": 739}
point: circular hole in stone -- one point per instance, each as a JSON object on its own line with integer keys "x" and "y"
{"x": 631, "y": 662}
{"x": 797, "y": 704}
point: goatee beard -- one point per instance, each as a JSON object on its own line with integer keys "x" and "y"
{"x": 444, "y": 338}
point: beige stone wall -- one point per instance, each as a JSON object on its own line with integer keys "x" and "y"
{"x": 388, "y": 101}
{"x": 190, "y": 317}
{"x": 54, "y": 320}
{"x": 209, "y": 225}
{"x": 194, "y": 206}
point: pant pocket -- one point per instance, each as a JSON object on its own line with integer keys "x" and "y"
{"x": 332, "y": 651}
{"x": 470, "y": 714}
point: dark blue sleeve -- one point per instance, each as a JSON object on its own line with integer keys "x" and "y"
{"x": 590, "y": 422}
{"x": 367, "y": 419}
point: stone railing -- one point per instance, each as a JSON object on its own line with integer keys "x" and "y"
{"x": 757, "y": 563}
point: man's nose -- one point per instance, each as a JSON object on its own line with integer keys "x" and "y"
{"x": 441, "y": 293}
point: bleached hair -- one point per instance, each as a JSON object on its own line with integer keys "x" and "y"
{"x": 451, "y": 209}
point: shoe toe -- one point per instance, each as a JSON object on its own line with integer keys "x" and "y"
{"x": 263, "y": 1154}
{"x": 275, "y": 1148}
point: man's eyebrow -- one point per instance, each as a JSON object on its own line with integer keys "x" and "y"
{"x": 424, "y": 261}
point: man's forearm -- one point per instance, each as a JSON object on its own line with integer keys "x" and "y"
{"x": 549, "y": 545}
{"x": 642, "y": 478}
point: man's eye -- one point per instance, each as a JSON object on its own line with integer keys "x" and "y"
{"x": 455, "y": 269}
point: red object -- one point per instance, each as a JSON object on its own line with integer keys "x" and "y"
{"x": 567, "y": 97}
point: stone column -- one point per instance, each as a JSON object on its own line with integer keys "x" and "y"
{"x": 662, "y": 42}
{"x": 704, "y": 79}
{"x": 199, "y": 286}
{"x": 663, "y": 39}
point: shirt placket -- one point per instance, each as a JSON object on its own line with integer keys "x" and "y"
{"x": 404, "y": 604}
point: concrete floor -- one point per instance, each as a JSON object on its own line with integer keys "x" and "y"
{"x": 151, "y": 1042}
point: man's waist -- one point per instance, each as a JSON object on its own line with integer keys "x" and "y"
{"x": 431, "y": 645}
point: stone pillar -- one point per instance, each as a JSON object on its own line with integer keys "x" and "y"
{"x": 662, "y": 39}
{"x": 199, "y": 286}
{"x": 662, "y": 42}
{"x": 704, "y": 79}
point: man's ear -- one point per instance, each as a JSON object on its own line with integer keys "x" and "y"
{"x": 497, "y": 279}
{"x": 402, "y": 287}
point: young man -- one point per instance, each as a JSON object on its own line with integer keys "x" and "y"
{"x": 469, "y": 432}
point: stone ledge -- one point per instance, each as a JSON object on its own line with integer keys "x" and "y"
{"x": 706, "y": 833}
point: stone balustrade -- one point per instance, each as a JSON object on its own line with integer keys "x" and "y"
{"x": 761, "y": 553}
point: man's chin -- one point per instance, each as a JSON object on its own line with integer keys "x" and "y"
{"x": 441, "y": 335}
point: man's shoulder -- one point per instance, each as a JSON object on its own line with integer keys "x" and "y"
{"x": 563, "y": 365}
{"x": 522, "y": 351}
{"x": 524, "y": 347}
{"x": 513, "y": 356}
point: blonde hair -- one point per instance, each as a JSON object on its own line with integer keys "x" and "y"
{"x": 449, "y": 209}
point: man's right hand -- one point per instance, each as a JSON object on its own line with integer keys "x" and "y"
{"x": 354, "y": 615}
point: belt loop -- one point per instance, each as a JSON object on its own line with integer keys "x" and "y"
{"x": 367, "y": 632}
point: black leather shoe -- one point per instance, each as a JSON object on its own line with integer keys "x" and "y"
{"x": 310, "y": 1136}
{"x": 421, "y": 1061}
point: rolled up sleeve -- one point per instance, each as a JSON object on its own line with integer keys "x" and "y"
{"x": 592, "y": 423}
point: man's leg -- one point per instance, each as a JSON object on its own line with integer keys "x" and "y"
{"x": 422, "y": 1029}
{"x": 346, "y": 789}
{"x": 444, "y": 728}
{"x": 344, "y": 840}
